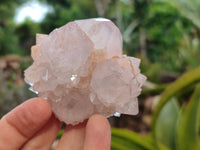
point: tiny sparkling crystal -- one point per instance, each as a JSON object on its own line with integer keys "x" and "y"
{"x": 79, "y": 68}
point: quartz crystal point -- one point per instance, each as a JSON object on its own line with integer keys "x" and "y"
{"x": 79, "y": 68}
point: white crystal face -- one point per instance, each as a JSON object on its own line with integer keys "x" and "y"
{"x": 79, "y": 68}
{"x": 104, "y": 35}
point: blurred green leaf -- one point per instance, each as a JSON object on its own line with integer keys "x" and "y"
{"x": 132, "y": 140}
{"x": 184, "y": 81}
{"x": 166, "y": 123}
{"x": 153, "y": 91}
{"x": 119, "y": 144}
{"x": 60, "y": 133}
{"x": 187, "y": 136}
{"x": 189, "y": 9}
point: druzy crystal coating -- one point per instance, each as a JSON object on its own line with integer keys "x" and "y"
{"x": 79, "y": 68}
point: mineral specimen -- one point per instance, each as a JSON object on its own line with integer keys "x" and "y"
{"x": 79, "y": 68}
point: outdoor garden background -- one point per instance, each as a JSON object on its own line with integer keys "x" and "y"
{"x": 165, "y": 34}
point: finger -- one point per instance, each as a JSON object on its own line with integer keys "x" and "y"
{"x": 44, "y": 138}
{"x": 23, "y": 122}
{"x": 73, "y": 137}
{"x": 98, "y": 133}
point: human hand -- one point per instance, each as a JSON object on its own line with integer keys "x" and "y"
{"x": 32, "y": 126}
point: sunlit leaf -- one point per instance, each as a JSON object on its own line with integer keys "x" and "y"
{"x": 166, "y": 124}
{"x": 188, "y": 136}
{"x": 184, "y": 81}
{"x": 133, "y": 140}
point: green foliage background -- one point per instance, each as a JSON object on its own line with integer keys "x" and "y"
{"x": 165, "y": 34}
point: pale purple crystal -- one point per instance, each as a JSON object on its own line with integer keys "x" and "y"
{"x": 79, "y": 68}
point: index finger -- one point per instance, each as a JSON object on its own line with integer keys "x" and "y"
{"x": 23, "y": 122}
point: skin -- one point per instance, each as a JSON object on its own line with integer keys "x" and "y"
{"x": 32, "y": 126}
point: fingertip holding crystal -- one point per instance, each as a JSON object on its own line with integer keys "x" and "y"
{"x": 79, "y": 68}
